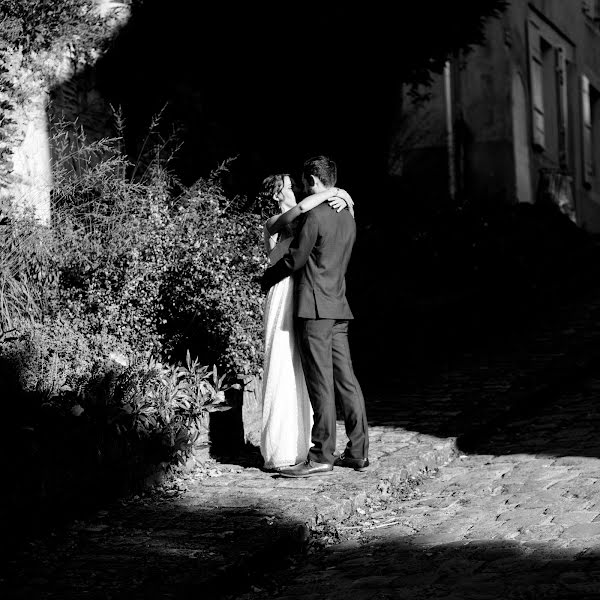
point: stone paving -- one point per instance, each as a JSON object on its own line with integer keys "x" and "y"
{"x": 503, "y": 492}
{"x": 210, "y": 528}
{"x": 523, "y": 522}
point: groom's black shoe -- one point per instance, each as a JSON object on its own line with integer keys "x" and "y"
{"x": 307, "y": 469}
{"x": 358, "y": 464}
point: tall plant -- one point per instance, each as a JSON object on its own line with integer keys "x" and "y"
{"x": 28, "y": 277}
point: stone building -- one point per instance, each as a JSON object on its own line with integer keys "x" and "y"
{"x": 517, "y": 120}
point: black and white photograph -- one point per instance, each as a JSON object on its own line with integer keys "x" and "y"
{"x": 300, "y": 301}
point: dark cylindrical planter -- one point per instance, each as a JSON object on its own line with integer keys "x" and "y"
{"x": 226, "y": 428}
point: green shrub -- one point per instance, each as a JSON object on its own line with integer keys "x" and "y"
{"x": 166, "y": 268}
{"x": 37, "y": 25}
{"x": 158, "y": 403}
{"x": 210, "y": 294}
{"x": 136, "y": 288}
{"x": 53, "y": 356}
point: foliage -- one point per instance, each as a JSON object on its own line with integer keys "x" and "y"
{"x": 167, "y": 268}
{"x": 111, "y": 257}
{"x": 28, "y": 279}
{"x": 122, "y": 428}
{"x": 93, "y": 344}
{"x": 451, "y": 28}
{"x": 7, "y": 126}
{"x": 37, "y": 25}
{"x": 154, "y": 401}
{"x": 53, "y": 356}
{"x": 211, "y": 297}
{"x": 36, "y": 36}
{"x": 143, "y": 402}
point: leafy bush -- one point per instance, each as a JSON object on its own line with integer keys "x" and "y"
{"x": 98, "y": 311}
{"x": 166, "y": 268}
{"x": 211, "y": 299}
{"x": 123, "y": 428}
{"x": 138, "y": 285}
{"x": 53, "y": 357}
{"x": 153, "y": 401}
{"x": 38, "y": 24}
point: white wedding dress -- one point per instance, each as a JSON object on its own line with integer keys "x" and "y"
{"x": 286, "y": 409}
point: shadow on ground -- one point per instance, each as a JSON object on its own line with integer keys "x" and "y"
{"x": 155, "y": 548}
{"x": 565, "y": 424}
{"x": 500, "y": 404}
{"x": 171, "y": 551}
{"x": 227, "y": 441}
{"x": 59, "y": 466}
{"x": 399, "y": 569}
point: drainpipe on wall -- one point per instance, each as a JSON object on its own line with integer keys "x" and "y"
{"x": 450, "y": 131}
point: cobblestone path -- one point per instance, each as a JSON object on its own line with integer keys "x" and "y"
{"x": 213, "y": 532}
{"x": 523, "y": 522}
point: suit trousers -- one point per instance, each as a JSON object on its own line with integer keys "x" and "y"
{"x": 329, "y": 375}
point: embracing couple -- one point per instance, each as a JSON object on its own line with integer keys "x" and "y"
{"x": 307, "y": 364}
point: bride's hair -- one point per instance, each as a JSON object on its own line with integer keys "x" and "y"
{"x": 271, "y": 185}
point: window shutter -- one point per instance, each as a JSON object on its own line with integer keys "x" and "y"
{"x": 561, "y": 94}
{"x": 586, "y": 110}
{"x": 536, "y": 73}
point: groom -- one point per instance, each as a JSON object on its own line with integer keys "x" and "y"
{"x": 319, "y": 256}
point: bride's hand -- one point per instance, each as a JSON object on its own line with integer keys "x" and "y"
{"x": 337, "y": 203}
{"x": 344, "y": 195}
{"x": 341, "y": 200}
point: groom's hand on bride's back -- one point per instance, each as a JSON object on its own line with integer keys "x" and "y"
{"x": 263, "y": 282}
{"x": 275, "y": 273}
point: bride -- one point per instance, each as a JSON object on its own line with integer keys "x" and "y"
{"x": 286, "y": 409}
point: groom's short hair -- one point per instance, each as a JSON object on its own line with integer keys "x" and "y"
{"x": 322, "y": 167}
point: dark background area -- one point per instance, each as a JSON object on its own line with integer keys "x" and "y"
{"x": 270, "y": 86}
{"x": 275, "y": 83}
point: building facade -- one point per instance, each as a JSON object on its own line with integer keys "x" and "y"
{"x": 516, "y": 120}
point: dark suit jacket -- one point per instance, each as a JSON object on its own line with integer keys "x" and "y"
{"x": 319, "y": 255}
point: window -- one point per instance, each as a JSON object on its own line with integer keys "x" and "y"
{"x": 536, "y": 68}
{"x": 590, "y": 110}
{"x": 549, "y": 54}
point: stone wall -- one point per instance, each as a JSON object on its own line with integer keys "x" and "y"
{"x": 31, "y": 179}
